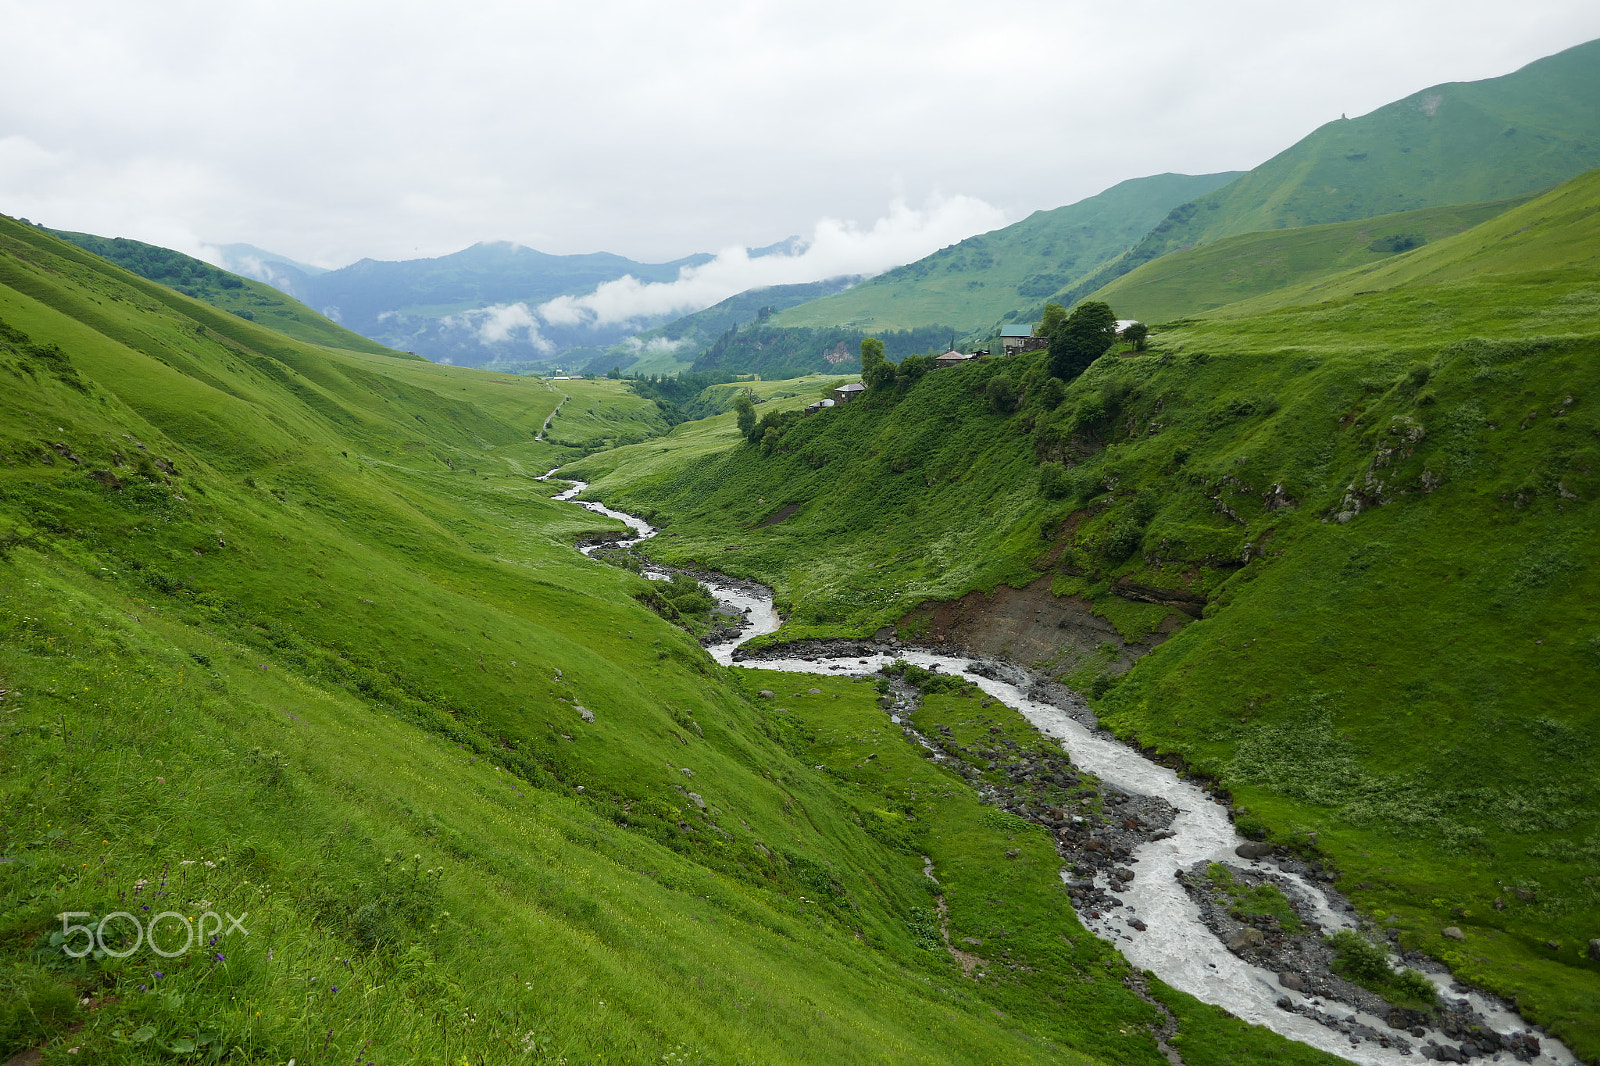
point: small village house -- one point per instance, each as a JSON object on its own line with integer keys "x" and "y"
{"x": 1018, "y": 337}
{"x": 846, "y": 393}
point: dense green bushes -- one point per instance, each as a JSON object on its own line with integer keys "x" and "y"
{"x": 1367, "y": 964}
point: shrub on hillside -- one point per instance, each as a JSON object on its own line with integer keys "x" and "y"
{"x": 1002, "y": 394}
{"x": 1052, "y": 393}
{"x": 770, "y": 429}
{"x": 1367, "y": 964}
{"x": 911, "y": 369}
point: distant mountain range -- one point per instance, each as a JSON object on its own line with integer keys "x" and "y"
{"x": 475, "y": 307}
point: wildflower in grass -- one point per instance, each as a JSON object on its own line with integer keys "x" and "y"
{"x": 158, "y": 975}
{"x": 220, "y": 957}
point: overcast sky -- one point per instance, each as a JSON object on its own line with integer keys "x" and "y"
{"x": 333, "y": 130}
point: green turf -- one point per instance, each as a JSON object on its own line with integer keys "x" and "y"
{"x": 1557, "y": 234}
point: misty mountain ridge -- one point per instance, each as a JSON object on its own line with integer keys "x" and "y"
{"x": 489, "y": 304}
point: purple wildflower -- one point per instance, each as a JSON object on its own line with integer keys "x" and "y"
{"x": 158, "y": 975}
{"x": 220, "y": 957}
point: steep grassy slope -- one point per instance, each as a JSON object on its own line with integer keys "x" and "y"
{"x": 1239, "y": 268}
{"x": 998, "y": 276}
{"x": 244, "y": 297}
{"x": 1458, "y": 143}
{"x": 1384, "y": 503}
{"x": 293, "y": 633}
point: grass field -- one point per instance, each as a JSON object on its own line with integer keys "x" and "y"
{"x": 1385, "y": 501}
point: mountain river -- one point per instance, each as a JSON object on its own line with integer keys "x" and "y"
{"x": 1175, "y": 944}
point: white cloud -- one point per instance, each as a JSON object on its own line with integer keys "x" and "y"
{"x": 499, "y": 324}
{"x": 835, "y": 248}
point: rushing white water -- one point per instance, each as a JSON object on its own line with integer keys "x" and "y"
{"x": 1176, "y": 945}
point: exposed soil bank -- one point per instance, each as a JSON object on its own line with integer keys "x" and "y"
{"x": 1032, "y": 626}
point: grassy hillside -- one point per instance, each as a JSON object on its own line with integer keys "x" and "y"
{"x": 1558, "y": 232}
{"x": 1003, "y": 275}
{"x": 293, "y": 634}
{"x": 1458, "y": 143}
{"x": 245, "y": 297}
{"x": 1384, "y": 504}
{"x": 1238, "y": 268}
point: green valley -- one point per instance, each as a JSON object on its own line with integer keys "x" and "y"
{"x": 1212, "y": 688}
{"x": 293, "y": 634}
{"x": 1345, "y": 541}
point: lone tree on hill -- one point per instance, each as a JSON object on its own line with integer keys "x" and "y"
{"x": 747, "y": 414}
{"x": 1085, "y": 335}
{"x": 875, "y": 368}
{"x": 1137, "y": 335}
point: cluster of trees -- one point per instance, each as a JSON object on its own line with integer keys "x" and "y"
{"x": 769, "y": 429}
{"x": 190, "y": 276}
{"x": 877, "y": 371}
{"x": 791, "y": 351}
{"x": 1079, "y": 338}
{"x": 678, "y": 395}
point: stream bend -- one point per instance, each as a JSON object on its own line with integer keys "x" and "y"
{"x": 1175, "y": 944}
